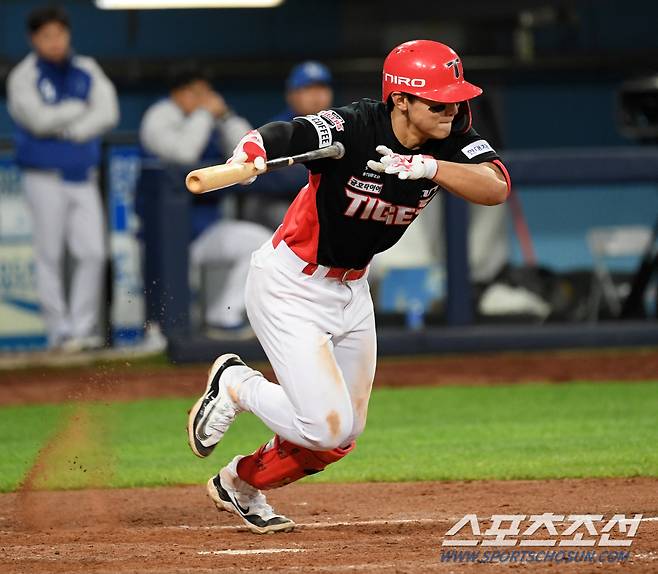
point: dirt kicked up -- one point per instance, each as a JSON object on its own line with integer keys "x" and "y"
{"x": 381, "y": 527}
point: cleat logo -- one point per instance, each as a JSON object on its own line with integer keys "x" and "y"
{"x": 200, "y": 433}
{"x": 235, "y": 502}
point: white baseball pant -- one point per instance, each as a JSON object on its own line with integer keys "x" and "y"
{"x": 69, "y": 214}
{"x": 230, "y": 243}
{"x": 319, "y": 335}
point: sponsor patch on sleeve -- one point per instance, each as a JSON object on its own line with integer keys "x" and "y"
{"x": 334, "y": 119}
{"x": 477, "y": 148}
{"x": 322, "y": 128}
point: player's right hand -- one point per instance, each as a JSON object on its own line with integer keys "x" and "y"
{"x": 404, "y": 166}
{"x": 250, "y": 149}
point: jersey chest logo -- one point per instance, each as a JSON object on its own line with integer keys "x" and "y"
{"x": 368, "y": 207}
{"x": 48, "y": 91}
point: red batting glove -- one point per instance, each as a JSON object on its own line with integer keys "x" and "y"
{"x": 250, "y": 149}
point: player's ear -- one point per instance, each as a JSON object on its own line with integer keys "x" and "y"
{"x": 400, "y": 101}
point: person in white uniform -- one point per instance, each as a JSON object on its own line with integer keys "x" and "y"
{"x": 61, "y": 104}
{"x": 308, "y": 298}
{"x": 194, "y": 125}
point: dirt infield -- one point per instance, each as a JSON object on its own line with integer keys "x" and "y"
{"x": 122, "y": 381}
{"x": 343, "y": 528}
{"x": 380, "y": 527}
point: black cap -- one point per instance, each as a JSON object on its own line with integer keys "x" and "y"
{"x": 185, "y": 74}
{"x": 45, "y": 15}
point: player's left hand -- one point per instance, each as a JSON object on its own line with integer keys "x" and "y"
{"x": 250, "y": 149}
{"x": 405, "y": 166}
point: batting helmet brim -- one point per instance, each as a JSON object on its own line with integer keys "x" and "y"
{"x": 452, "y": 93}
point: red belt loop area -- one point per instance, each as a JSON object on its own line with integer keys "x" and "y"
{"x": 336, "y": 272}
{"x": 340, "y": 273}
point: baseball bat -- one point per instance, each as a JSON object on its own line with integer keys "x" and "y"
{"x": 215, "y": 177}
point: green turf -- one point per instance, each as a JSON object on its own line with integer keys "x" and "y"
{"x": 520, "y": 431}
{"x": 23, "y": 431}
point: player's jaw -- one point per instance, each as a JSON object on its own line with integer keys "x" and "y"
{"x": 432, "y": 119}
{"x": 416, "y": 120}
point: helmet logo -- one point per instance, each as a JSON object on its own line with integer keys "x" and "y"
{"x": 402, "y": 81}
{"x": 455, "y": 67}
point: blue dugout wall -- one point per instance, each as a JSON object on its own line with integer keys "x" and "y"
{"x": 568, "y": 101}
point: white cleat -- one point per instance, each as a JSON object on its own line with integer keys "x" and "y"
{"x": 232, "y": 494}
{"x": 215, "y": 410}
{"x": 82, "y": 344}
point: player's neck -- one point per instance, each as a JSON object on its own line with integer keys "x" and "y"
{"x": 405, "y": 132}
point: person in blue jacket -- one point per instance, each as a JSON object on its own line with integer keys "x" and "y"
{"x": 61, "y": 104}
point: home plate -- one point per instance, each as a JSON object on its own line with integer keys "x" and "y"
{"x": 252, "y": 551}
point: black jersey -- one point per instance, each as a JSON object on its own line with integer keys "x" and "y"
{"x": 347, "y": 213}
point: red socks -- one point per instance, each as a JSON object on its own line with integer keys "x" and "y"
{"x": 279, "y": 462}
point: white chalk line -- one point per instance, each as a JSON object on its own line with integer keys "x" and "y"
{"x": 324, "y": 525}
{"x": 381, "y": 522}
{"x": 321, "y": 525}
{"x": 249, "y": 551}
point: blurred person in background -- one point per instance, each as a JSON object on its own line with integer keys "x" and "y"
{"x": 308, "y": 91}
{"x": 61, "y": 104}
{"x": 191, "y": 126}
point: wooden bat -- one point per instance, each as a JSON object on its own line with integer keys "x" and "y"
{"x": 215, "y": 177}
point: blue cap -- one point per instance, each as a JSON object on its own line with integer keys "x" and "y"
{"x": 307, "y": 74}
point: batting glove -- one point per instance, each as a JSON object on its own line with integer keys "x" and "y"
{"x": 405, "y": 166}
{"x": 250, "y": 149}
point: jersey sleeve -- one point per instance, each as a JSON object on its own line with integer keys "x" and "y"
{"x": 173, "y": 137}
{"x": 470, "y": 147}
{"x": 102, "y": 111}
{"x": 27, "y": 107}
{"x": 325, "y": 128}
{"x": 314, "y": 131}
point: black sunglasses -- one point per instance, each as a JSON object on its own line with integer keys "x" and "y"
{"x": 440, "y": 107}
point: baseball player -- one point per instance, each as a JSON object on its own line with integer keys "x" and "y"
{"x": 61, "y": 104}
{"x": 307, "y": 292}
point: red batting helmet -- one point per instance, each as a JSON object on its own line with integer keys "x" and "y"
{"x": 428, "y": 70}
